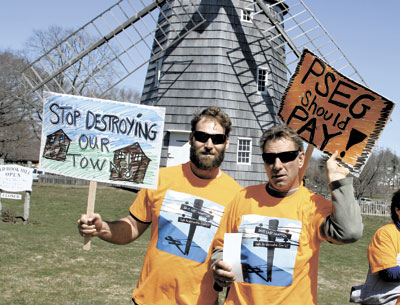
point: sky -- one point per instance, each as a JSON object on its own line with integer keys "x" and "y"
{"x": 367, "y": 33}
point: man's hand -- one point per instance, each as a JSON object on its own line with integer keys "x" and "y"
{"x": 222, "y": 274}
{"x": 334, "y": 171}
{"x": 90, "y": 226}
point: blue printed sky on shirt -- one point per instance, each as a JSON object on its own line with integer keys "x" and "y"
{"x": 187, "y": 225}
{"x": 269, "y": 248}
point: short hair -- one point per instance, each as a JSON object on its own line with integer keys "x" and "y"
{"x": 395, "y": 204}
{"x": 216, "y": 114}
{"x": 279, "y": 132}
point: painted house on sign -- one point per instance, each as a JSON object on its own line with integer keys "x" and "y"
{"x": 130, "y": 164}
{"x": 56, "y": 147}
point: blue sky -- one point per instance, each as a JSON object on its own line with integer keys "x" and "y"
{"x": 367, "y": 32}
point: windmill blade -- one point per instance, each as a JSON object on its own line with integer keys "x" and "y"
{"x": 110, "y": 48}
{"x": 293, "y": 21}
{"x": 293, "y": 28}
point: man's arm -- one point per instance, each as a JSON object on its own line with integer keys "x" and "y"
{"x": 121, "y": 232}
{"x": 344, "y": 225}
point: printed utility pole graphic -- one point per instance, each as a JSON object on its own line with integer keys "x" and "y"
{"x": 264, "y": 252}
{"x": 187, "y": 225}
{"x": 332, "y": 112}
{"x": 195, "y": 211}
{"x": 272, "y": 232}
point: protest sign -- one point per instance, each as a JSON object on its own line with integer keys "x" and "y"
{"x": 334, "y": 113}
{"x": 101, "y": 140}
{"x": 15, "y": 178}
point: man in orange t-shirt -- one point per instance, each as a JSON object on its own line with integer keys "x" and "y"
{"x": 382, "y": 285}
{"x": 184, "y": 213}
{"x": 282, "y": 225}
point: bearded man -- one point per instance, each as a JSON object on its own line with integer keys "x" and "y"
{"x": 184, "y": 213}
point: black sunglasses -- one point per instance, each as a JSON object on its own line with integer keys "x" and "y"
{"x": 285, "y": 156}
{"x": 218, "y": 138}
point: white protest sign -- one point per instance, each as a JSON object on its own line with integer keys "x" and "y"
{"x": 232, "y": 252}
{"x": 15, "y": 178}
{"x": 101, "y": 140}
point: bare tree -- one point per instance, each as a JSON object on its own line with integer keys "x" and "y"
{"x": 57, "y": 66}
{"x": 380, "y": 175}
{"x": 123, "y": 95}
{"x": 20, "y": 108}
{"x": 55, "y": 49}
{"x": 19, "y": 125}
{"x": 392, "y": 170}
{"x": 12, "y": 93}
{"x": 370, "y": 180}
{"x": 315, "y": 177}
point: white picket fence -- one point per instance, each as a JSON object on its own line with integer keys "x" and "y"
{"x": 375, "y": 208}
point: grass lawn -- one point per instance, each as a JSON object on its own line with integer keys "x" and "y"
{"x": 341, "y": 267}
{"x": 43, "y": 262}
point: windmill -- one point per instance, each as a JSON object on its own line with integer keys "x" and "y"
{"x": 235, "y": 54}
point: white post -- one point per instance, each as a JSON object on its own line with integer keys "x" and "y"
{"x": 1, "y": 208}
{"x": 27, "y": 201}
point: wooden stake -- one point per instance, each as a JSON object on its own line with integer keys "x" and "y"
{"x": 90, "y": 209}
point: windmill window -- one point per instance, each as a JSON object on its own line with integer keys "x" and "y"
{"x": 244, "y": 151}
{"x": 247, "y": 15}
{"x": 52, "y": 139}
{"x": 262, "y": 79}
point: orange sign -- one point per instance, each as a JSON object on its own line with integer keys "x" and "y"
{"x": 332, "y": 112}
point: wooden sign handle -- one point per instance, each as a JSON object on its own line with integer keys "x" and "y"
{"x": 90, "y": 209}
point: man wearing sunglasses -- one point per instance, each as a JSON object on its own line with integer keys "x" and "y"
{"x": 184, "y": 213}
{"x": 282, "y": 225}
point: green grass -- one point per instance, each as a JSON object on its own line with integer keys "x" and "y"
{"x": 341, "y": 267}
{"x": 43, "y": 262}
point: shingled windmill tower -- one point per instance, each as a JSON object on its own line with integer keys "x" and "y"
{"x": 235, "y": 54}
{"x": 225, "y": 62}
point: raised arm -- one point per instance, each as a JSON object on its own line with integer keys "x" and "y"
{"x": 121, "y": 232}
{"x": 344, "y": 225}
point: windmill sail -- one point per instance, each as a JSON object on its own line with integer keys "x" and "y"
{"x": 235, "y": 54}
{"x": 107, "y": 50}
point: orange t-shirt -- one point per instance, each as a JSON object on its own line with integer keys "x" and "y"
{"x": 384, "y": 249}
{"x": 280, "y": 245}
{"x": 185, "y": 212}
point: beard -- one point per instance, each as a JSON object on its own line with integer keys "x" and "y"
{"x": 204, "y": 162}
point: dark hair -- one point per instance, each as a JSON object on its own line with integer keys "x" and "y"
{"x": 278, "y": 132}
{"x": 395, "y": 204}
{"x": 216, "y": 114}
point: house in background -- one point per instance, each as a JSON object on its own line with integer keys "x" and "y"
{"x": 225, "y": 62}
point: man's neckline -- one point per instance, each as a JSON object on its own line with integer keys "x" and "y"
{"x": 276, "y": 193}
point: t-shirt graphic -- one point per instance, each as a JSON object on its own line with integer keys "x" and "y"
{"x": 269, "y": 248}
{"x": 187, "y": 225}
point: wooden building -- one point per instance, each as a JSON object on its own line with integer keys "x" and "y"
{"x": 226, "y": 62}
{"x": 130, "y": 164}
{"x": 56, "y": 147}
